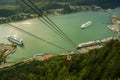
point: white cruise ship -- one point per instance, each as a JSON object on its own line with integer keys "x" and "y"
{"x": 15, "y": 39}
{"x": 90, "y": 43}
{"x": 85, "y": 25}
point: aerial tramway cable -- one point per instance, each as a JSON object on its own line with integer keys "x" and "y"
{"x": 15, "y": 27}
{"x": 50, "y": 23}
{"x": 44, "y": 23}
{"x": 55, "y": 26}
{"x": 42, "y": 20}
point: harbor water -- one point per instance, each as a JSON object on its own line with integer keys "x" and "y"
{"x": 69, "y": 23}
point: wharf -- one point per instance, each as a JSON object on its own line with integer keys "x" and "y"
{"x": 115, "y": 26}
{"x": 85, "y": 47}
{"x": 5, "y": 51}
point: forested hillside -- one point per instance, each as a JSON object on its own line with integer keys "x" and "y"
{"x": 13, "y": 7}
{"x": 102, "y": 3}
{"x": 98, "y": 64}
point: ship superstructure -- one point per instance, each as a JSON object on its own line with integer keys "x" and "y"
{"x": 85, "y": 25}
{"x": 15, "y": 39}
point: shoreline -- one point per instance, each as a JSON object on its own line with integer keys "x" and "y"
{"x": 36, "y": 52}
{"x": 34, "y": 18}
{"x": 54, "y": 12}
{"x": 46, "y": 57}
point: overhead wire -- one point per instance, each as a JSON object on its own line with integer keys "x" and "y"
{"x": 56, "y": 27}
{"x": 41, "y": 19}
{"x": 15, "y": 27}
{"x": 35, "y": 35}
{"x": 44, "y": 17}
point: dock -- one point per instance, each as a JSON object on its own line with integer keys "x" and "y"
{"x": 5, "y": 51}
{"x": 115, "y": 26}
{"x": 86, "y": 46}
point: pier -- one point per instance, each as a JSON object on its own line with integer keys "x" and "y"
{"x": 85, "y": 47}
{"x": 5, "y": 51}
{"x": 115, "y": 26}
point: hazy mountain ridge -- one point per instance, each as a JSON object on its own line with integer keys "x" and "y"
{"x": 10, "y": 8}
{"x": 102, "y": 3}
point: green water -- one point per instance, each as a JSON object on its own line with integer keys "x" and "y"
{"x": 69, "y": 23}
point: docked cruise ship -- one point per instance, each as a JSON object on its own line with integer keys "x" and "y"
{"x": 85, "y": 25}
{"x": 90, "y": 43}
{"x": 15, "y": 39}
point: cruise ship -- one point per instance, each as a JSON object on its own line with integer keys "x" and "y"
{"x": 15, "y": 39}
{"x": 90, "y": 43}
{"x": 85, "y": 25}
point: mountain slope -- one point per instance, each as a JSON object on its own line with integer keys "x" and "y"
{"x": 46, "y": 5}
{"x": 102, "y": 3}
{"x": 98, "y": 64}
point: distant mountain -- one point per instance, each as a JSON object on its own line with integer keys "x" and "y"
{"x": 7, "y": 2}
{"x": 102, "y": 3}
{"x": 13, "y": 7}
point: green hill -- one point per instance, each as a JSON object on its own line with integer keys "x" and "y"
{"x": 98, "y": 64}
{"x": 13, "y": 7}
{"x": 102, "y": 3}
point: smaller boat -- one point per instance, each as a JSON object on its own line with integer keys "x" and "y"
{"x": 36, "y": 55}
{"x": 85, "y": 25}
{"x": 15, "y": 39}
